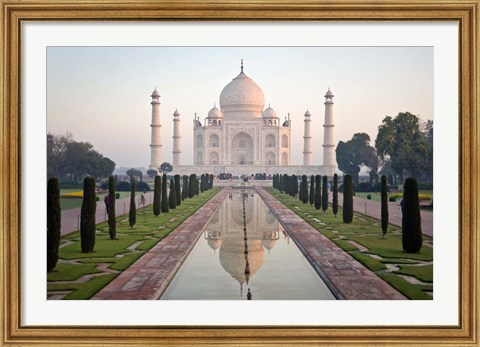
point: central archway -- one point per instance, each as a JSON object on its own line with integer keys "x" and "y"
{"x": 242, "y": 149}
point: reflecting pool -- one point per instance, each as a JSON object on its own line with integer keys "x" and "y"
{"x": 244, "y": 249}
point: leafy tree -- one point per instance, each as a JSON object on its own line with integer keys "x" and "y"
{"x": 157, "y": 195}
{"x": 318, "y": 192}
{"x": 384, "y": 206}
{"x": 178, "y": 190}
{"x": 112, "y": 225}
{"x": 172, "y": 199}
{"x": 325, "y": 194}
{"x": 87, "y": 215}
{"x": 401, "y": 139}
{"x": 335, "y": 195}
{"x": 152, "y": 173}
{"x": 164, "y": 193}
{"x": 304, "y": 190}
{"x": 312, "y": 189}
{"x": 132, "y": 213}
{"x": 411, "y": 219}
{"x": 71, "y": 161}
{"x": 354, "y": 154}
{"x": 166, "y": 167}
{"x": 347, "y": 199}
{"x": 54, "y": 219}
{"x": 135, "y": 173}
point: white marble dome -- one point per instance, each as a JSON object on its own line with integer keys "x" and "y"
{"x": 215, "y": 113}
{"x": 242, "y": 94}
{"x": 269, "y": 113}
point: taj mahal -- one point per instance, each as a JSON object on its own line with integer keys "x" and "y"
{"x": 242, "y": 137}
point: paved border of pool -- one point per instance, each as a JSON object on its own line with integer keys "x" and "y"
{"x": 345, "y": 277}
{"x": 150, "y": 275}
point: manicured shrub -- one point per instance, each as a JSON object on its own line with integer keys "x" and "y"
{"x": 164, "y": 193}
{"x": 335, "y": 195}
{"x": 369, "y": 197}
{"x": 312, "y": 190}
{"x": 87, "y": 216}
{"x": 54, "y": 220}
{"x": 117, "y": 195}
{"x": 325, "y": 193}
{"x": 178, "y": 190}
{"x": 304, "y": 190}
{"x": 392, "y": 199}
{"x": 112, "y": 223}
{"x": 411, "y": 220}
{"x": 318, "y": 192}
{"x": 384, "y": 206}
{"x": 132, "y": 213}
{"x": 172, "y": 198}
{"x": 157, "y": 195}
{"x": 347, "y": 199}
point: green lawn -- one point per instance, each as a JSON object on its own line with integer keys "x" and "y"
{"x": 68, "y": 204}
{"x": 376, "y": 196}
{"x": 367, "y": 232}
{"x": 148, "y": 231}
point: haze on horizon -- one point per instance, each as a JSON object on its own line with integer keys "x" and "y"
{"x": 102, "y": 94}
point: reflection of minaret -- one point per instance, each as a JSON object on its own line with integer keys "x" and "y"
{"x": 328, "y": 145}
{"x": 307, "y": 141}
{"x": 156, "y": 144}
{"x": 176, "y": 138}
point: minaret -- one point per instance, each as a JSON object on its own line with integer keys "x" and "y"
{"x": 307, "y": 141}
{"x": 328, "y": 144}
{"x": 176, "y": 138}
{"x": 155, "y": 145}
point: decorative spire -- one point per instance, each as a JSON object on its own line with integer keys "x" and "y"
{"x": 241, "y": 66}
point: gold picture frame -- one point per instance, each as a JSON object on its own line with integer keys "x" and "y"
{"x": 16, "y": 12}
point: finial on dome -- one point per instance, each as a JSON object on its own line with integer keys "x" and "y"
{"x": 268, "y": 105}
{"x": 214, "y": 104}
{"x": 241, "y": 65}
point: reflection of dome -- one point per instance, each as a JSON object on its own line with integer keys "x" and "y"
{"x": 242, "y": 94}
{"x": 269, "y": 244}
{"x": 269, "y": 239}
{"x": 232, "y": 257}
{"x": 270, "y": 218}
{"x": 214, "y": 243}
{"x": 214, "y": 239}
{"x": 215, "y": 113}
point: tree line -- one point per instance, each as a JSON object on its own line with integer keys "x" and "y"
{"x": 403, "y": 148}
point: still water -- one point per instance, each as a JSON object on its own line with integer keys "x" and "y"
{"x": 243, "y": 248}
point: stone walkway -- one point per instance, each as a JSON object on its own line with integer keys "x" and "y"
{"x": 149, "y": 276}
{"x": 345, "y": 277}
{"x": 71, "y": 217}
{"x": 373, "y": 209}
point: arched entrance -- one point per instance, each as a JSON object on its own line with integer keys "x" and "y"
{"x": 242, "y": 149}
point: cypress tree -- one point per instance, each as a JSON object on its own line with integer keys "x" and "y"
{"x": 318, "y": 192}
{"x": 172, "y": 198}
{"x": 202, "y": 183}
{"x": 132, "y": 214}
{"x": 211, "y": 181}
{"x": 164, "y": 194}
{"x": 157, "y": 195}
{"x": 335, "y": 195}
{"x": 325, "y": 193}
{"x": 185, "y": 187}
{"x": 312, "y": 190}
{"x": 294, "y": 185}
{"x": 178, "y": 190}
{"x": 112, "y": 223}
{"x": 87, "y": 218}
{"x": 197, "y": 186}
{"x": 411, "y": 220}
{"x": 54, "y": 219}
{"x": 191, "y": 185}
{"x": 384, "y": 206}
{"x": 347, "y": 199}
{"x": 304, "y": 190}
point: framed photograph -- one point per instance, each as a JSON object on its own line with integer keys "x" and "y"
{"x": 99, "y": 69}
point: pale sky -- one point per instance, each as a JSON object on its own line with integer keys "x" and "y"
{"x": 102, "y": 94}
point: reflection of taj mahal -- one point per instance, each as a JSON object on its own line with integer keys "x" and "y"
{"x": 225, "y": 235}
{"x": 241, "y": 137}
